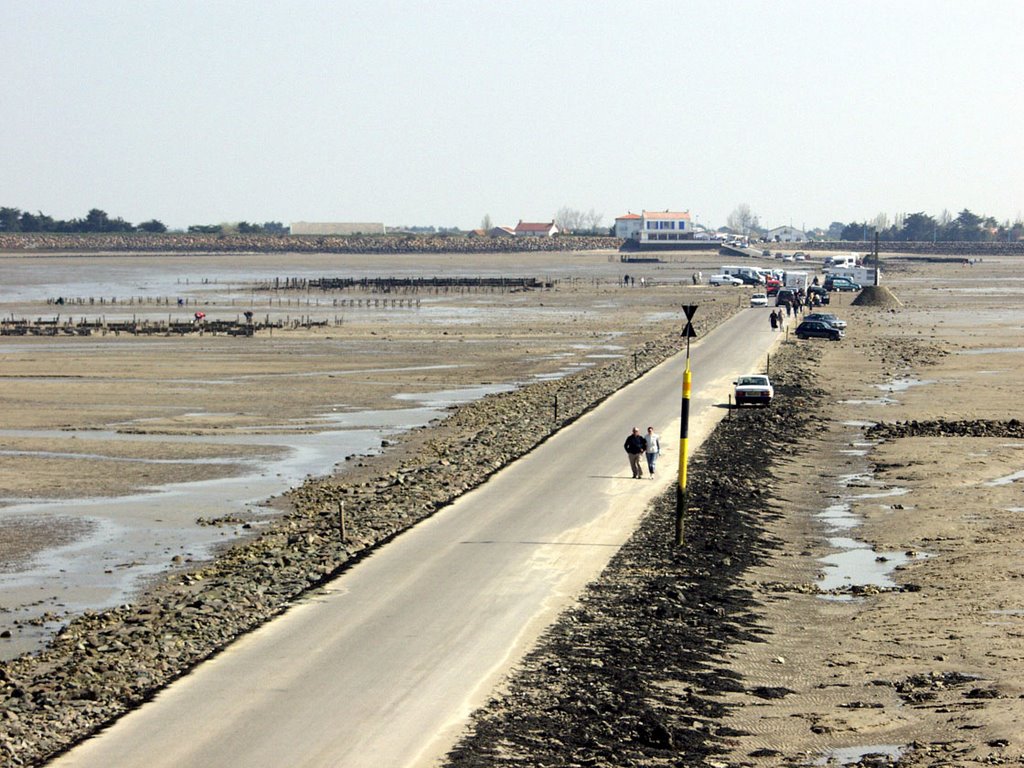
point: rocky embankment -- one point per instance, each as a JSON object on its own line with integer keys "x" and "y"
{"x": 200, "y": 243}
{"x": 105, "y": 663}
{"x": 629, "y": 676}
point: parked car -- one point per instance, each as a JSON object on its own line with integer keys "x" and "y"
{"x": 766, "y": 253}
{"x": 749, "y": 279}
{"x": 818, "y": 329}
{"x": 829, "y": 318}
{"x": 724, "y": 280}
{"x": 754, "y": 390}
{"x": 840, "y": 283}
{"x": 800, "y": 256}
{"x": 785, "y": 296}
{"x": 759, "y": 300}
{"x": 821, "y": 293}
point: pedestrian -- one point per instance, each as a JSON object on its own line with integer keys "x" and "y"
{"x": 789, "y": 308}
{"x": 625, "y": 280}
{"x": 694, "y": 278}
{"x": 652, "y": 450}
{"x": 773, "y": 320}
{"x": 635, "y": 446}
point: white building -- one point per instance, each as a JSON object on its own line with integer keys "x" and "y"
{"x": 655, "y": 226}
{"x": 628, "y": 227}
{"x": 786, "y": 235}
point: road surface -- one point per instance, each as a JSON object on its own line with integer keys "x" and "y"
{"x": 384, "y": 666}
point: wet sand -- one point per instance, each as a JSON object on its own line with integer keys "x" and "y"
{"x": 113, "y": 447}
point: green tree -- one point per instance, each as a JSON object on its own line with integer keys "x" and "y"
{"x": 152, "y": 226}
{"x": 919, "y": 227}
{"x": 10, "y": 220}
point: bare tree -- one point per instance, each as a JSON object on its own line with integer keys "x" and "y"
{"x": 880, "y": 223}
{"x": 569, "y": 219}
{"x": 742, "y": 219}
{"x": 486, "y": 223}
{"x": 594, "y": 220}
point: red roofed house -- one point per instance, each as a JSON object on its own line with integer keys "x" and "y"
{"x": 534, "y": 229}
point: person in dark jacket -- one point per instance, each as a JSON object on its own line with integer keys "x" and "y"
{"x": 635, "y": 446}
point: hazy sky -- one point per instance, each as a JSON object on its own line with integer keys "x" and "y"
{"x": 211, "y": 111}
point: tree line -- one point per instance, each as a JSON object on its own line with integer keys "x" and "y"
{"x": 15, "y": 220}
{"x": 920, "y": 227}
{"x": 913, "y": 227}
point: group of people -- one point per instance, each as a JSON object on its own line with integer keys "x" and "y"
{"x": 638, "y": 446}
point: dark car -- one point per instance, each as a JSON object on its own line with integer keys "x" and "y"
{"x": 749, "y": 279}
{"x": 821, "y": 293}
{"x": 785, "y": 296}
{"x": 818, "y": 329}
{"x": 839, "y": 283}
{"x": 829, "y": 318}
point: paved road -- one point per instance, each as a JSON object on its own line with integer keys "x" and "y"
{"x": 384, "y": 666}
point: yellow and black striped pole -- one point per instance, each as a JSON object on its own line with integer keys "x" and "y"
{"x": 684, "y": 427}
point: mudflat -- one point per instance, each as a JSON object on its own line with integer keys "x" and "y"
{"x": 113, "y": 446}
{"x": 851, "y": 591}
{"x": 879, "y": 601}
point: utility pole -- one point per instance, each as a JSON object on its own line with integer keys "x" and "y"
{"x": 684, "y": 427}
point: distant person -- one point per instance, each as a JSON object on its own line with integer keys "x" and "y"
{"x": 635, "y": 446}
{"x": 625, "y": 280}
{"x": 652, "y": 450}
{"x": 773, "y": 320}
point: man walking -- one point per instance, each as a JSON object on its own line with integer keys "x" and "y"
{"x": 635, "y": 446}
{"x": 652, "y": 450}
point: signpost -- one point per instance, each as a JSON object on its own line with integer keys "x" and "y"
{"x": 684, "y": 425}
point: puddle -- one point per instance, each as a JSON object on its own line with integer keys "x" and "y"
{"x": 875, "y": 401}
{"x": 854, "y": 755}
{"x": 883, "y": 494}
{"x": 858, "y": 423}
{"x": 839, "y": 517}
{"x": 902, "y": 385}
{"x": 991, "y": 350}
{"x": 1007, "y": 480}
{"x": 858, "y": 565}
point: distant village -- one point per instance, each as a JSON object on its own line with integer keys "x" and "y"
{"x": 644, "y": 228}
